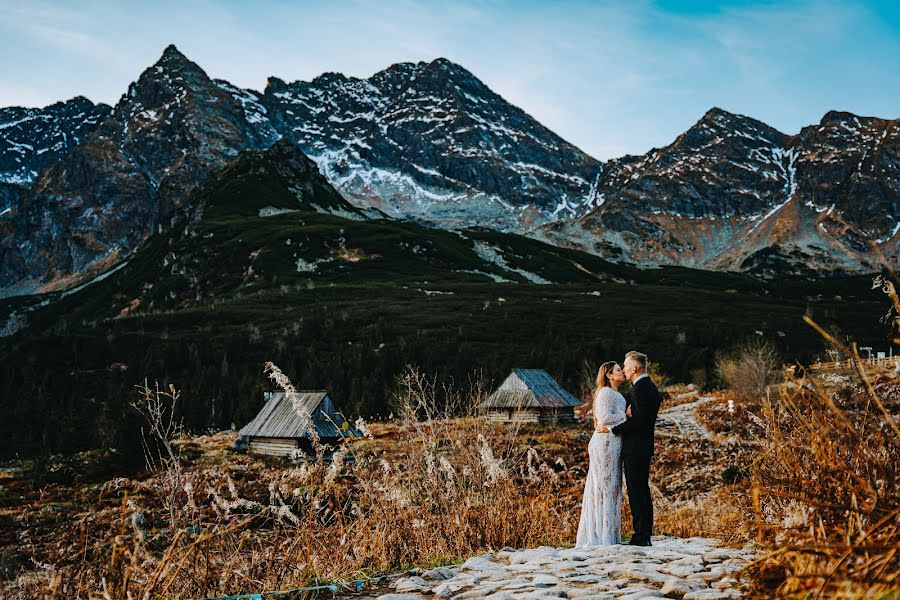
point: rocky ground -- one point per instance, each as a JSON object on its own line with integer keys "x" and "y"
{"x": 689, "y": 568}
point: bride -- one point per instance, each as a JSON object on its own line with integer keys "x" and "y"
{"x": 601, "y": 509}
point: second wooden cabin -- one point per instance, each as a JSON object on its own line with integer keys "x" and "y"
{"x": 283, "y": 427}
{"x": 530, "y": 396}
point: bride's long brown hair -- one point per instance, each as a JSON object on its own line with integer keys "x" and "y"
{"x": 602, "y": 381}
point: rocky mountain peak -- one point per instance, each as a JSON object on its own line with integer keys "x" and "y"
{"x": 274, "y": 85}
{"x": 330, "y": 78}
{"x": 173, "y": 56}
{"x": 32, "y": 139}
{"x": 451, "y": 80}
{"x": 715, "y": 113}
{"x": 721, "y": 121}
{"x": 837, "y": 116}
{"x": 446, "y": 67}
{"x": 280, "y": 178}
{"x": 78, "y": 102}
{"x": 430, "y": 142}
{"x": 168, "y": 78}
{"x": 132, "y": 176}
{"x": 282, "y": 158}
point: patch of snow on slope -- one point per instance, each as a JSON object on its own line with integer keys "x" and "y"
{"x": 338, "y": 212}
{"x": 491, "y": 254}
{"x": 271, "y": 211}
{"x": 789, "y": 172}
{"x": 595, "y": 198}
{"x": 891, "y": 236}
{"x": 494, "y": 276}
{"x": 564, "y": 205}
{"x": 100, "y": 277}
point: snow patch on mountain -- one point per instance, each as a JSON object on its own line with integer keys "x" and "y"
{"x": 271, "y": 211}
{"x": 493, "y": 255}
{"x": 891, "y": 235}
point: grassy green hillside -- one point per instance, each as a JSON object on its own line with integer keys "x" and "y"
{"x": 345, "y": 301}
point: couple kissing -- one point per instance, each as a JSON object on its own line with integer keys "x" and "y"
{"x": 622, "y": 441}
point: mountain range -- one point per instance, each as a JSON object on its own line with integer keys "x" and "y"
{"x": 82, "y": 185}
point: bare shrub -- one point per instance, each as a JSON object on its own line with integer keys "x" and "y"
{"x": 158, "y": 409}
{"x": 750, "y": 368}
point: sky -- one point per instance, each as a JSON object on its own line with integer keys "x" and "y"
{"x": 613, "y": 78}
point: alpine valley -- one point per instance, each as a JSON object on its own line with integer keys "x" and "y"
{"x": 347, "y": 229}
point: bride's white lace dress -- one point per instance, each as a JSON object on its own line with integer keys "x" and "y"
{"x": 601, "y": 509}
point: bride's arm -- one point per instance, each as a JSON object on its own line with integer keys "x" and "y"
{"x": 605, "y": 412}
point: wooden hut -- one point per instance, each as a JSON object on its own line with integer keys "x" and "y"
{"x": 530, "y": 396}
{"x": 280, "y": 430}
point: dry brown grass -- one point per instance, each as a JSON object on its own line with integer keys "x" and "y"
{"x": 438, "y": 485}
{"x": 447, "y": 488}
{"x": 825, "y": 494}
{"x": 422, "y": 491}
{"x": 824, "y": 491}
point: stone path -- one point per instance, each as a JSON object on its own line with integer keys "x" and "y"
{"x": 688, "y": 568}
{"x": 680, "y": 420}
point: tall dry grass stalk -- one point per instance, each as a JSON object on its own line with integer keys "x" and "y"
{"x": 443, "y": 490}
{"x": 824, "y": 490}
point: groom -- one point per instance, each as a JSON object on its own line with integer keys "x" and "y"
{"x": 637, "y": 445}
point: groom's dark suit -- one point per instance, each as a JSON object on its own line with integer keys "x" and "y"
{"x": 637, "y": 450}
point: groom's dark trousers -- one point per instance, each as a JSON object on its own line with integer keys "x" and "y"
{"x": 637, "y": 451}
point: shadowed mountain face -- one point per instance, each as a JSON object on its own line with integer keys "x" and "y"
{"x": 431, "y": 143}
{"x": 32, "y": 139}
{"x": 270, "y": 217}
{"x": 128, "y": 178}
{"x": 732, "y": 193}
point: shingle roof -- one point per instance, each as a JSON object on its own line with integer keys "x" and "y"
{"x": 279, "y": 418}
{"x": 530, "y": 388}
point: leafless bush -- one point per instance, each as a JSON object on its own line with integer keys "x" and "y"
{"x": 158, "y": 409}
{"x": 750, "y": 368}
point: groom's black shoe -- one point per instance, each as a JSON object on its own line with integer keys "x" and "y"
{"x": 639, "y": 543}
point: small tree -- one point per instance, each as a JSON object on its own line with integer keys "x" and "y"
{"x": 749, "y": 368}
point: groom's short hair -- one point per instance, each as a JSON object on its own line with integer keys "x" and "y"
{"x": 638, "y": 357}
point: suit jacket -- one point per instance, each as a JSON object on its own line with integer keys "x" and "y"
{"x": 637, "y": 431}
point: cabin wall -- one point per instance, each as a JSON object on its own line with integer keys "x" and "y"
{"x": 531, "y": 415}
{"x": 558, "y": 415}
{"x": 290, "y": 447}
{"x": 512, "y": 415}
{"x": 272, "y": 446}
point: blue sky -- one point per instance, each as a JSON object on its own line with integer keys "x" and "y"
{"x": 611, "y": 77}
